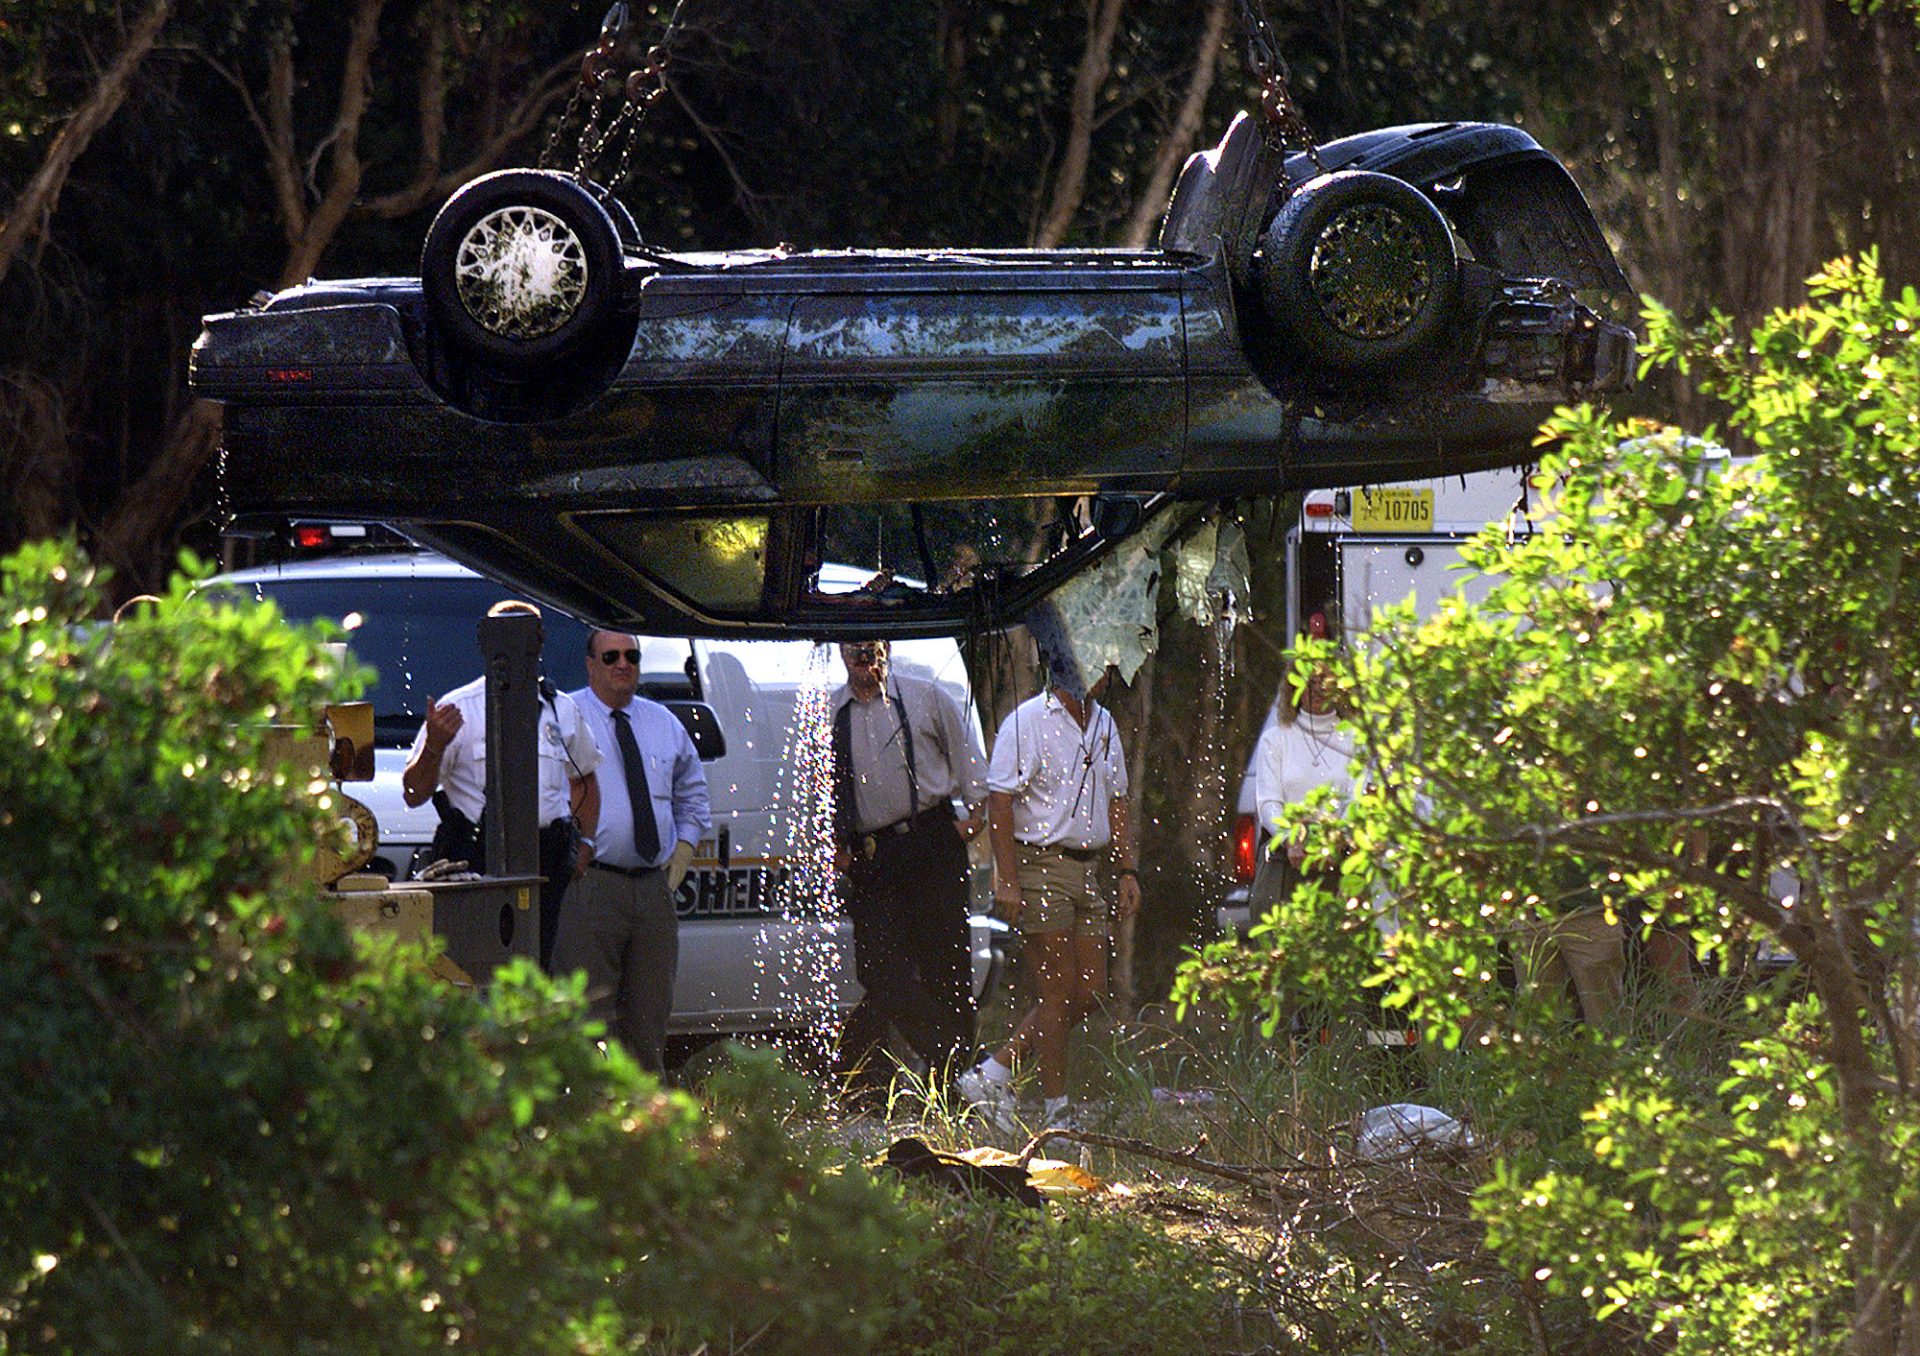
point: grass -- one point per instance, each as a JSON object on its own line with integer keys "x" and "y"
{"x": 1240, "y": 1148}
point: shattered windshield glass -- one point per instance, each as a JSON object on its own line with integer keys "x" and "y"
{"x": 901, "y": 552}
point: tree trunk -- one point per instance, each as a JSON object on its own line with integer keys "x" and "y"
{"x": 1070, "y": 182}
{"x": 1773, "y": 171}
{"x": 342, "y": 144}
{"x": 1135, "y": 738}
{"x": 1205, "y": 820}
{"x": 36, "y": 460}
{"x": 33, "y": 209}
{"x": 1152, "y": 202}
{"x": 134, "y": 540}
{"x": 950, "y": 41}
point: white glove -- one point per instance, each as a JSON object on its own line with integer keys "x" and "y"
{"x": 677, "y": 865}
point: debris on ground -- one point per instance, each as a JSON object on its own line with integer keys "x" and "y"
{"x": 1183, "y": 1096}
{"x": 1400, "y": 1128}
{"x": 914, "y": 1157}
{"x": 1051, "y": 1177}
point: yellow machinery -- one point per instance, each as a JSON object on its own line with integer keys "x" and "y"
{"x": 479, "y": 919}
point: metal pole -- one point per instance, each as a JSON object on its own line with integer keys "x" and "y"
{"x": 510, "y": 646}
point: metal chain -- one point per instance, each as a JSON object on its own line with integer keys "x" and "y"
{"x": 641, "y": 97}
{"x": 615, "y": 107}
{"x": 593, "y": 68}
{"x": 1286, "y": 126}
{"x": 592, "y": 132}
{"x": 553, "y": 138}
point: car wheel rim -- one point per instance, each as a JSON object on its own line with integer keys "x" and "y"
{"x": 521, "y": 272}
{"x": 1369, "y": 272}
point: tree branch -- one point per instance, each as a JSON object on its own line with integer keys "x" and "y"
{"x": 1152, "y": 201}
{"x": 1070, "y": 183}
{"x": 432, "y": 100}
{"x": 33, "y": 209}
{"x": 147, "y": 509}
{"x": 343, "y": 184}
{"x": 750, "y": 201}
{"x": 551, "y": 87}
{"x": 283, "y": 167}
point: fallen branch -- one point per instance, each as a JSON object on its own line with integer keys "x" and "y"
{"x": 1265, "y": 1178}
{"x": 1186, "y": 1158}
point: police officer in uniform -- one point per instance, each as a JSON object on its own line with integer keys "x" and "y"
{"x": 448, "y": 765}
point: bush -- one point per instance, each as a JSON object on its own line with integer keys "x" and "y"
{"x": 1689, "y": 683}
{"x": 1000, "y": 1280}
{"x": 232, "y": 1127}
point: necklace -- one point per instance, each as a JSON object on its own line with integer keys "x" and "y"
{"x": 1320, "y": 743}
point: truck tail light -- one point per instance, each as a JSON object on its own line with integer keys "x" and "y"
{"x": 1246, "y": 848}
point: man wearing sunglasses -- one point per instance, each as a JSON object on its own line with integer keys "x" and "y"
{"x": 903, "y": 755}
{"x": 620, "y": 926}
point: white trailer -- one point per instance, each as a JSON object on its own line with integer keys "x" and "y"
{"x": 1354, "y": 552}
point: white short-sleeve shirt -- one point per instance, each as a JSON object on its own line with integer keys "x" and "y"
{"x": 1062, "y": 778}
{"x": 566, "y": 748}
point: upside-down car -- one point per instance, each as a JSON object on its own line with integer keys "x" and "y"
{"x": 674, "y": 442}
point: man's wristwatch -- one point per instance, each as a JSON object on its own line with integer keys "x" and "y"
{"x": 1128, "y": 871}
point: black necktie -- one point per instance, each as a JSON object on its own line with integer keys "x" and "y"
{"x": 646, "y": 830}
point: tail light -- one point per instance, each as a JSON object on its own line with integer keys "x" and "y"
{"x": 318, "y": 536}
{"x": 1246, "y": 847}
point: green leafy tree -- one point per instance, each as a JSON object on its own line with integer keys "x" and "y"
{"x": 1693, "y": 683}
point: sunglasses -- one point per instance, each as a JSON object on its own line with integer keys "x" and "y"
{"x": 865, "y": 654}
{"x": 612, "y": 657}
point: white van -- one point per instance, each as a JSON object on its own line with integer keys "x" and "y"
{"x": 1354, "y": 552}
{"x": 744, "y": 968}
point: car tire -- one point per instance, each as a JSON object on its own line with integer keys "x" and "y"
{"x": 522, "y": 267}
{"x": 1359, "y": 271}
{"x": 625, "y": 229}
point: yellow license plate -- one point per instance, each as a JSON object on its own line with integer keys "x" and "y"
{"x": 1393, "y": 510}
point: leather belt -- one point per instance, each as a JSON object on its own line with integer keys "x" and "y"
{"x": 868, "y": 845}
{"x": 631, "y": 872}
{"x": 1074, "y": 854}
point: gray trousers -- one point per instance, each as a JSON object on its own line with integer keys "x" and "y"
{"x": 622, "y": 931}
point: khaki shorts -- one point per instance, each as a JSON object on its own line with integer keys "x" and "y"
{"x": 1061, "y": 894}
{"x": 1584, "y": 946}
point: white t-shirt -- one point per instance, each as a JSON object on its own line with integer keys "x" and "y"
{"x": 566, "y": 748}
{"x": 1295, "y": 758}
{"x": 1062, "y": 778}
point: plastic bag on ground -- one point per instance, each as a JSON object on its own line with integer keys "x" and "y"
{"x": 1398, "y": 1128}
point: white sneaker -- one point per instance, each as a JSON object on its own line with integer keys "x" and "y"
{"x": 1059, "y": 1117}
{"x": 991, "y": 1101}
